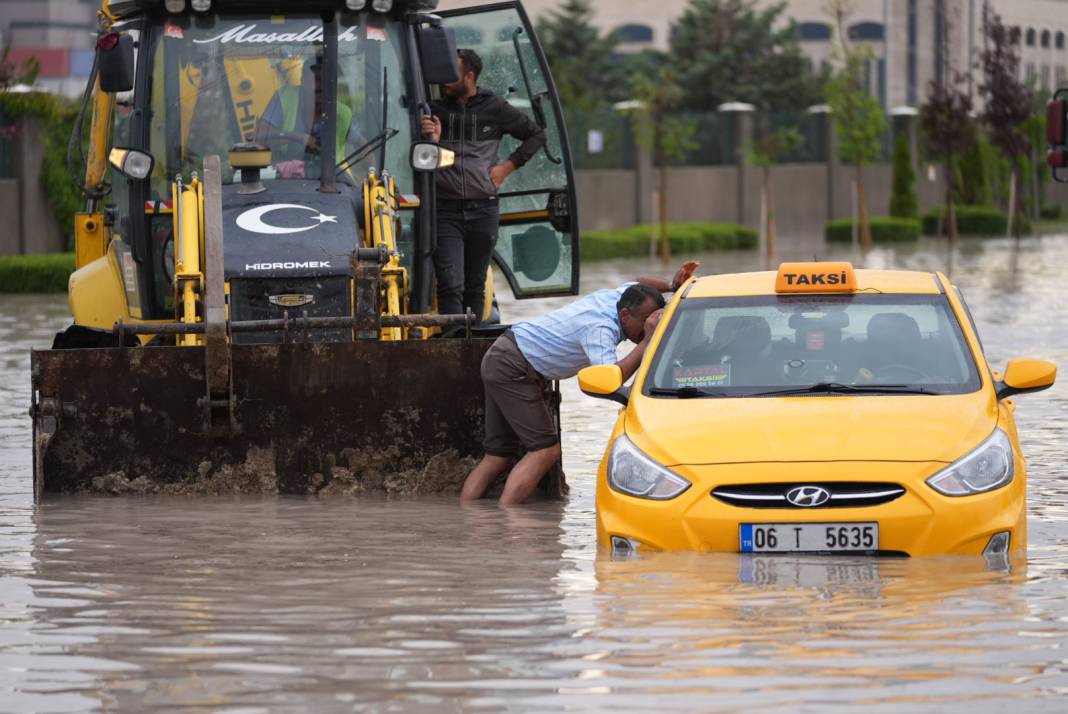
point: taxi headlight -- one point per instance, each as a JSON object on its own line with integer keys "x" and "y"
{"x": 990, "y": 465}
{"x": 632, "y": 472}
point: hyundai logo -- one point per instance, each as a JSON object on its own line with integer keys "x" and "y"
{"x": 808, "y": 496}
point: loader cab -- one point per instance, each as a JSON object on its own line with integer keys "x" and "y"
{"x": 207, "y": 81}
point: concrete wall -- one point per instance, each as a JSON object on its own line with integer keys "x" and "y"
{"x": 27, "y": 224}
{"x": 696, "y": 193}
{"x": 10, "y": 232}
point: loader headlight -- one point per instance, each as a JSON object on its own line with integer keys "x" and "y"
{"x": 174, "y": 7}
{"x": 200, "y": 5}
{"x": 990, "y": 465}
{"x": 430, "y": 157}
{"x": 632, "y": 472}
{"x": 355, "y": 5}
{"x": 382, "y": 5}
{"x": 131, "y": 162}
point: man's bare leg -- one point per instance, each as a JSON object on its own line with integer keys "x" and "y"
{"x": 482, "y": 476}
{"x": 527, "y": 474}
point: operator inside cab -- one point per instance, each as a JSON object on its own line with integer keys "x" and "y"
{"x": 292, "y": 123}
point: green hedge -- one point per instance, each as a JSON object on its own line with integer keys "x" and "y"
{"x": 973, "y": 221}
{"x": 1052, "y": 212}
{"x": 684, "y": 237}
{"x": 46, "y": 273}
{"x": 883, "y": 230}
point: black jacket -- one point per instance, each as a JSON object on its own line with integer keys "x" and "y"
{"x": 474, "y": 131}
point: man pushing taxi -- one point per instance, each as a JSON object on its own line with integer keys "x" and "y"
{"x": 556, "y": 346}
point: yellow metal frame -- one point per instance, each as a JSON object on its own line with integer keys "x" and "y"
{"x": 380, "y": 206}
{"x": 188, "y": 251}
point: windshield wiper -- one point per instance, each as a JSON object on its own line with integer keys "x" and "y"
{"x": 838, "y": 388}
{"x": 684, "y": 392}
{"x": 366, "y": 150}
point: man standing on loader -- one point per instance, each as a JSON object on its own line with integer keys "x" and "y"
{"x": 556, "y": 346}
{"x": 471, "y": 121}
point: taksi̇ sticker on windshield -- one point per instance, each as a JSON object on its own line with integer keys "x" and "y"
{"x": 718, "y": 375}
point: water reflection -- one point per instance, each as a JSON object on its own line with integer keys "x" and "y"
{"x": 241, "y": 600}
{"x": 817, "y": 629}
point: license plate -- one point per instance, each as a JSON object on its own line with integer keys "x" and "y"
{"x": 808, "y": 537}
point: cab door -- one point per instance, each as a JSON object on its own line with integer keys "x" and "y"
{"x": 538, "y": 244}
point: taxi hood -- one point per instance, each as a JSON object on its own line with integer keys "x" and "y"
{"x": 816, "y": 428}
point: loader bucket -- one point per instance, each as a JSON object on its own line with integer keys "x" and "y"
{"x": 403, "y": 418}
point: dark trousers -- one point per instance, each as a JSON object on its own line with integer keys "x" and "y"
{"x": 467, "y": 232}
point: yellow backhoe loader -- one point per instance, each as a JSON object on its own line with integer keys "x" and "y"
{"x": 253, "y": 306}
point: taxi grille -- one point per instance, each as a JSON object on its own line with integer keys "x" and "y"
{"x": 842, "y": 494}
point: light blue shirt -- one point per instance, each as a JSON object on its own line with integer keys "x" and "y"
{"x": 586, "y": 332}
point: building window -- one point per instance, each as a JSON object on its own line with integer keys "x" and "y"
{"x": 910, "y": 58}
{"x": 1061, "y": 73}
{"x": 635, "y": 33}
{"x": 1045, "y": 77}
{"x": 1058, "y": 41}
{"x": 872, "y": 31}
{"x": 1029, "y": 73}
{"x": 1045, "y": 38}
{"x": 813, "y": 31}
{"x": 1030, "y": 37}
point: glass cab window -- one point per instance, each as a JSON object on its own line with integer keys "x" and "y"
{"x": 224, "y": 79}
{"x": 745, "y": 346}
{"x": 537, "y": 246}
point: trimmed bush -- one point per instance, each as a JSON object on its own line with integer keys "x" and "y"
{"x": 1052, "y": 212}
{"x": 684, "y": 238}
{"x": 973, "y": 221}
{"x": 45, "y": 273}
{"x": 883, "y": 230}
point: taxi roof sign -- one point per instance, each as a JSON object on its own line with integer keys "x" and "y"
{"x": 816, "y": 278}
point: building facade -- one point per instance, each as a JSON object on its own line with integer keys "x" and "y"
{"x": 913, "y": 41}
{"x": 59, "y": 34}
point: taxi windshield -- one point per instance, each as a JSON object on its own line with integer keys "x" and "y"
{"x": 771, "y": 345}
{"x": 222, "y": 80}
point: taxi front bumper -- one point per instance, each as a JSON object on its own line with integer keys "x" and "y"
{"x": 920, "y": 521}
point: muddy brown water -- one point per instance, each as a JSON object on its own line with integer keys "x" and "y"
{"x": 293, "y": 604}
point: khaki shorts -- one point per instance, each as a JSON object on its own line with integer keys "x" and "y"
{"x": 517, "y": 402}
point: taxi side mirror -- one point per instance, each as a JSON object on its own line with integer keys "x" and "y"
{"x": 1023, "y": 376}
{"x": 604, "y": 381}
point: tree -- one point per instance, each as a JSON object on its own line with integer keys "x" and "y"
{"x": 1008, "y": 101}
{"x": 1035, "y": 131}
{"x": 12, "y": 74}
{"x": 663, "y": 132}
{"x": 973, "y": 186}
{"x": 948, "y": 132}
{"x": 771, "y": 148}
{"x": 584, "y": 69}
{"x": 858, "y": 118}
{"x": 903, "y": 202}
{"x": 732, "y": 51}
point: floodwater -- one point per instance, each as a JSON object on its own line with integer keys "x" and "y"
{"x": 297, "y": 604}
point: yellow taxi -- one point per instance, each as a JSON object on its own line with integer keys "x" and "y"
{"x": 815, "y": 409}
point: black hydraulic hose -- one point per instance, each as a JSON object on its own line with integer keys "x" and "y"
{"x": 385, "y": 116}
{"x": 74, "y": 145}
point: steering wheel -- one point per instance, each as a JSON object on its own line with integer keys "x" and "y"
{"x": 898, "y": 373}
